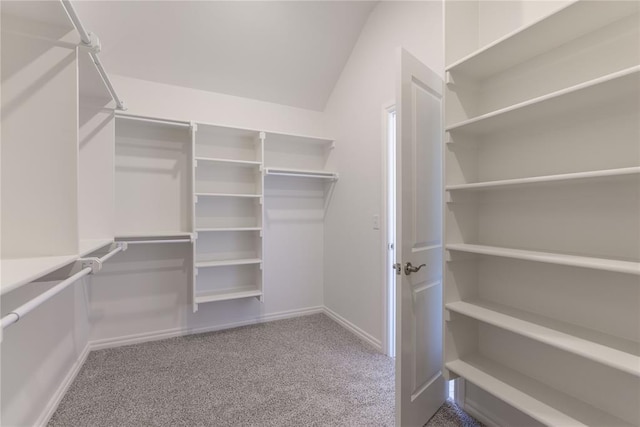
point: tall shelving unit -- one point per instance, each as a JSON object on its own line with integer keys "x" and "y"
{"x": 228, "y": 205}
{"x": 542, "y": 162}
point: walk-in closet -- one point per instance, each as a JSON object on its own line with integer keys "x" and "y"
{"x": 285, "y": 213}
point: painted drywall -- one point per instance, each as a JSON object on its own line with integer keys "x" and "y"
{"x": 354, "y": 281}
{"x": 162, "y": 100}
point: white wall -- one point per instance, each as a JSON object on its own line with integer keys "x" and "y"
{"x": 161, "y": 100}
{"x": 354, "y": 282}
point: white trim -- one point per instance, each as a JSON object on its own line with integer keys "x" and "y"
{"x": 55, "y": 400}
{"x": 177, "y": 332}
{"x": 473, "y": 409}
{"x": 388, "y": 347}
{"x": 369, "y": 339}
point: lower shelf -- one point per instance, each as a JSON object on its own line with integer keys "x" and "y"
{"x": 539, "y": 401}
{"x": 229, "y": 294}
{"x": 611, "y": 351}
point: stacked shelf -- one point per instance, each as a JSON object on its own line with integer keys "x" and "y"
{"x": 228, "y": 207}
{"x": 542, "y": 174}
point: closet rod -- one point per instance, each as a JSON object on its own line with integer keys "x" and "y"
{"x": 26, "y": 308}
{"x": 87, "y": 40}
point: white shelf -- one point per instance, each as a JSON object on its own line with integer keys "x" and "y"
{"x": 573, "y": 21}
{"x": 159, "y": 234}
{"x": 90, "y": 245}
{"x": 213, "y": 229}
{"x": 541, "y": 402}
{"x": 608, "y": 350}
{"x": 20, "y": 271}
{"x": 607, "y": 88}
{"x": 514, "y": 183}
{"x": 302, "y": 173}
{"x": 227, "y": 295}
{"x": 224, "y": 263}
{"x": 246, "y": 196}
{"x": 247, "y": 163}
{"x": 605, "y": 264}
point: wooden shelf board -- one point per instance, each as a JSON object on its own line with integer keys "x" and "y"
{"x": 574, "y": 20}
{"x": 229, "y": 262}
{"x": 248, "y": 163}
{"x": 569, "y": 177}
{"x": 229, "y": 294}
{"x": 541, "y": 402}
{"x": 246, "y": 196}
{"x": 616, "y": 85}
{"x": 605, "y": 264}
{"x": 205, "y": 229}
{"x": 90, "y": 245}
{"x": 16, "y": 272}
{"x": 608, "y": 350}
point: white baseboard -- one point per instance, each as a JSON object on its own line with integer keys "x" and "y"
{"x": 177, "y": 332}
{"x": 368, "y": 338}
{"x": 55, "y": 400}
{"x": 490, "y": 420}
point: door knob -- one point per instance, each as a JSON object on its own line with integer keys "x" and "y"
{"x": 408, "y": 268}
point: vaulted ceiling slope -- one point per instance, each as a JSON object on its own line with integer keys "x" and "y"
{"x": 286, "y": 52}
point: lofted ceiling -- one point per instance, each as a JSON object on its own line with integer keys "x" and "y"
{"x": 286, "y": 52}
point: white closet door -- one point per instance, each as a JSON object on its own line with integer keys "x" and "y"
{"x": 420, "y": 384}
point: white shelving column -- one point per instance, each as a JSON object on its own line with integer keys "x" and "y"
{"x": 542, "y": 172}
{"x": 228, "y": 199}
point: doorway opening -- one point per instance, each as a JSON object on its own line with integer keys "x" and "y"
{"x": 390, "y": 229}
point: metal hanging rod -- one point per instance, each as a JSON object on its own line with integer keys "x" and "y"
{"x": 153, "y": 120}
{"x": 89, "y": 266}
{"x": 91, "y": 41}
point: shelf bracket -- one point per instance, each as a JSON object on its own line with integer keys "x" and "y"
{"x": 448, "y": 78}
{"x": 193, "y": 126}
{"x": 195, "y": 163}
{"x": 195, "y": 199}
{"x": 93, "y": 263}
{"x": 195, "y": 236}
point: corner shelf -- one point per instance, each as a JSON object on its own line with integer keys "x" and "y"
{"x": 573, "y": 21}
{"x": 539, "y": 401}
{"x": 224, "y": 295}
{"x": 301, "y": 173}
{"x": 568, "y": 177}
{"x": 17, "y": 272}
{"x": 158, "y": 234}
{"x": 224, "y": 263}
{"x": 604, "y": 264}
{"x": 606, "y": 349}
{"x": 612, "y": 86}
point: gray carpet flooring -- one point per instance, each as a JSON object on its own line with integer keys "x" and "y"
{"x": 307, "y": 371}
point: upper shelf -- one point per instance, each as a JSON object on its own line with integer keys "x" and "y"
{"x": 568, "y": 177}
{"x": 20, "y": 271}
{"x": 608, "y": 350}
{"x": 605, "y": 264}
{"x": 576, "y": 19}
{"x": 302, "y": 173}
{"x": 614, "y": 86}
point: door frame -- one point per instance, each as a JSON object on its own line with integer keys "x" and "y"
{"x": 388, "y": 335}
